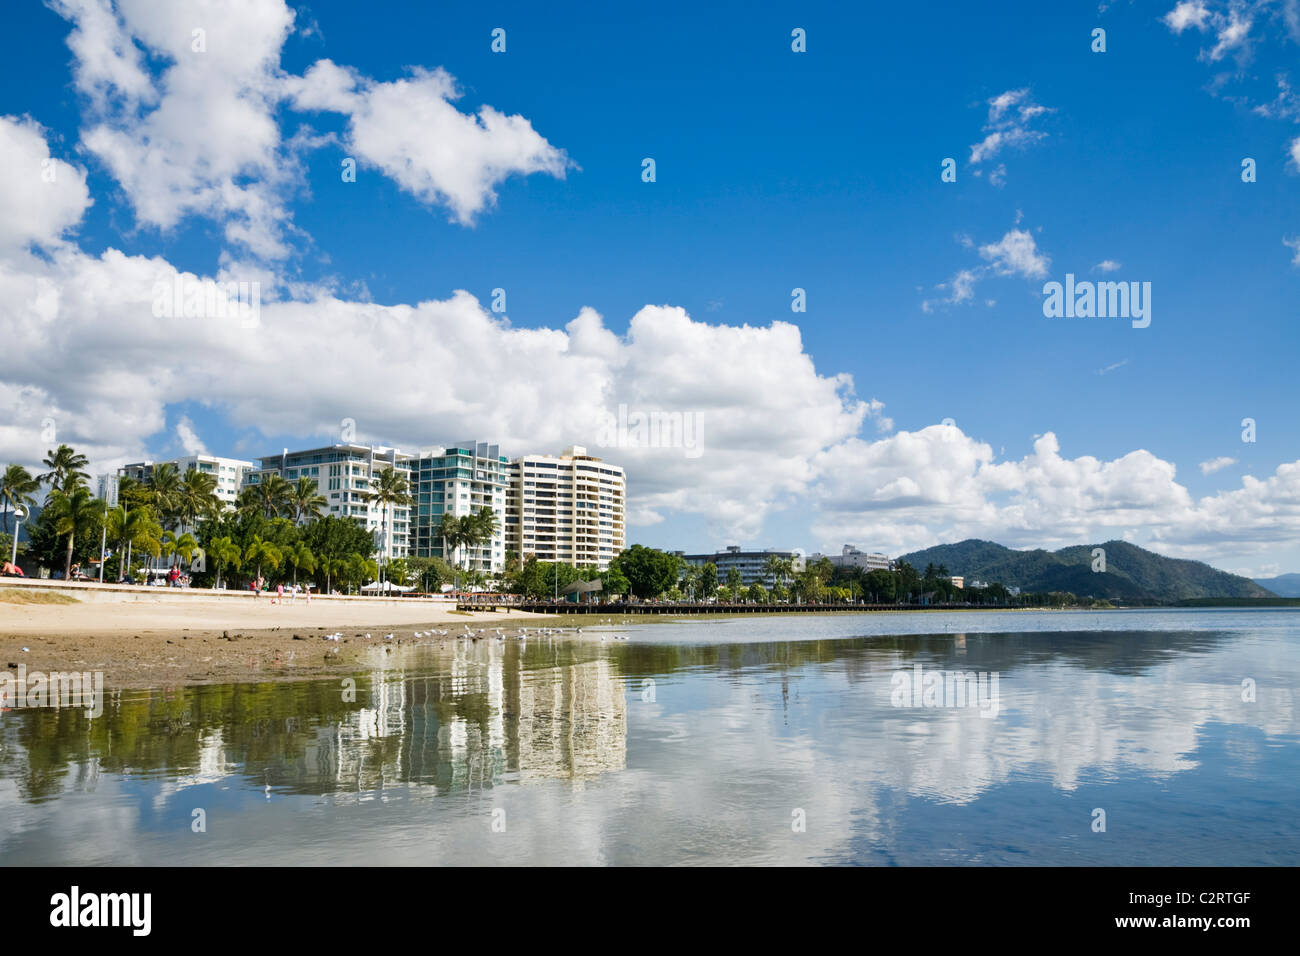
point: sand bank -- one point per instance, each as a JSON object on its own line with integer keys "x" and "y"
{"x": 142, "y": 637}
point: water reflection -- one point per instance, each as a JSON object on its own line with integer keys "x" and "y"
{"x": 645, "y": 751}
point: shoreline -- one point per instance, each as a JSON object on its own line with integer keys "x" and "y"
{"x": 166, "y": 638}
{"x": 151, "y": 637}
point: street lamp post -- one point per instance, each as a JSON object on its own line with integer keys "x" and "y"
{"x": 20, "y": 515}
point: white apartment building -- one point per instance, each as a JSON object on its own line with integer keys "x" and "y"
{"x": 851, "y": 557}
{"x": 569, "y": 508}
{"x": 229, "y": 472}
{"x": 343, "y": 474}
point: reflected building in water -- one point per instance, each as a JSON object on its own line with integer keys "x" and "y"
{"x": 484, "y": 719}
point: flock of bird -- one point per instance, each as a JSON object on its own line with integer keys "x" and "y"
{"x": 468, "y": 633}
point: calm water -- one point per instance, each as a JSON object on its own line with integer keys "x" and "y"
{"x": 701, "y": 742}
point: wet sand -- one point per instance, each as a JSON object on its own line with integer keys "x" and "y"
{"x": 159, "y": 639}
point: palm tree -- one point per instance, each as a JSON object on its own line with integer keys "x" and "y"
{"x": 262, "y": 552}
{"x": 182, "y": 545}
{"x": 388, "y": 489}
{"x": 774, "y": 568}
{"x": 300, "y": 556}
{"x": 196, "y": 497}
{"x": 75, "y": 512}
{"x": 452, "y": 531}
{"x": 333, "y": 566}
{"x": 17, "y": 490}
{"x": 358, "y": 568}
{"x": 270, "y": 496}
{"x": 130, "y": 492}
{"x": 225, "y": 552}
{"x": 305, "y": 500}
{"x": 132, "y": 526}
{"x": 65, "y": 469}
{"x": 163, "y": 492}
{"x": 483, "y": 527}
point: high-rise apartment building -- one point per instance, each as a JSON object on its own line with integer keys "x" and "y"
{"x": 461, "y": 480}
{"x": 571, "y": 508}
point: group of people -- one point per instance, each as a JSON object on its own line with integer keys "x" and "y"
{"x": 293, "y": 590}
{"x": 12, "y": 570}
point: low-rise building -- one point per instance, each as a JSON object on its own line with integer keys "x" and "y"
{"x": 751, "y": 564}
{"x": 851, "y": 557}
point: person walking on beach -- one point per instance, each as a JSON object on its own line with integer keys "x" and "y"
{"x": 279, "y": 593}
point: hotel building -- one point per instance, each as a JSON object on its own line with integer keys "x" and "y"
{"x": 343, "y": 474}
{"x": 570, "y": 508}
{"x": 229, "y": 472}
{"x": 751, "y": 564}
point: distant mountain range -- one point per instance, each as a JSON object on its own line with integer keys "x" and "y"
{"x": 1132, "y": 574}
{"x": 1284, "y": 585}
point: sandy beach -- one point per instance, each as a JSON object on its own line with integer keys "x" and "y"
{"x": 154, "y": 637}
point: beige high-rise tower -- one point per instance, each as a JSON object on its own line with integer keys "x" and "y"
{"x": 570, "y": 508}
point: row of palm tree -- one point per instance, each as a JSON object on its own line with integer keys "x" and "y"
{"x": 73, "y": 508}
{"x": 275, "y": 497}
{"x": 467, "y": 531}
{"x": 160, "y": 514}
{"x": 260, "y": 553}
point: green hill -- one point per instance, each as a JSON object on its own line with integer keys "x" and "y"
{"x": 1132, "y": 573}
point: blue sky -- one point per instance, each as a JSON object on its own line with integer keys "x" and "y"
{"x": 775, "y": 170}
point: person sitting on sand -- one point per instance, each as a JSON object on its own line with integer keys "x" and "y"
{"x": 12, "y": 570}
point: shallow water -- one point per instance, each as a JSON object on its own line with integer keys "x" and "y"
{"x": 702, "y": 742}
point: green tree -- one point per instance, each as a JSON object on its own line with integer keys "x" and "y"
{"x": 268, "y": 497}
{"x": 734, "y": 580}
{"x": 483, "y": 527}
{"x": 649, "y": 571}
{"x": 182, "y": 545}
{"x": 196, "y": 497}
{"x": 163, "y": 490}
{"x": 909, "y": 581}
{"x": 261, "y": 552}
{"x": 17, "y": 490}
{"x": 65, "y": 469}
{"x": 389, "y": 489}
{"x": 75, "y": 512}
{"x": 225, "y": 553}
{"x": 305, "y": 500}
{"x": 614, "y": 582}
{"x": 708, "y": 580}
{"x": 300, "y": 557}
{"x": 430, "y": 572}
